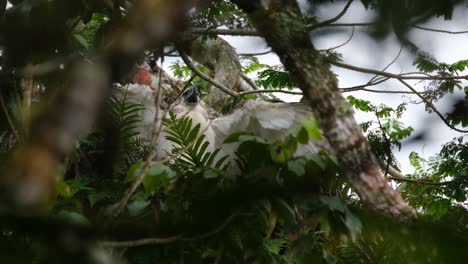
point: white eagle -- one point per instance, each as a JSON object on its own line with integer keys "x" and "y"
{"x": 270, "y": 121}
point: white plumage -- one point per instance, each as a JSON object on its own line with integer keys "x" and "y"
{"x": 270, "y": 121}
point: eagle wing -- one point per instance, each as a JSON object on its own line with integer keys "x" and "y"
{"x": 270, "y": 121}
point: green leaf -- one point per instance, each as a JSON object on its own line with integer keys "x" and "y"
{"x": 158, "y": 176}
{"x": 210, "y": 174}
{"x": 63, "y": 189}
{"x": 353, "y": 224}
{"x": 274, "y": 77}
{"x": 312, "y": 127}
{"x": 95, "y": 197}
{"x": 363, "y": 105}
{"x": 426, "y": 63}
{"x": 134, "y": 171}
{"x": 74, "y": 218}
{"x": 333, "y": 203}
{"x": 276, "y": 245}
{"x": 243, "y": 137}
{"x": 297, "y": 166}
{"x": 285, "y": 211}
{"x": 137, "y": 207}
{"x": 416, "y": 161}
{"x": 329, "y": 258}
{"x": 459, "y": 66}
{"x": 81, "y": 40}
{"x": 279, "y": 153}
{"x": 302, "y": 135}
{"x": 317, "y": 160}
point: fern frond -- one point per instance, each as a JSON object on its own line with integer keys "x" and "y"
{"x": 187, "y": 138}
{"x": 275, "y": 77}
{"x": 118, "y": 138}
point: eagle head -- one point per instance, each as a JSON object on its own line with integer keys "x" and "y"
{"x": 190, "y": 97}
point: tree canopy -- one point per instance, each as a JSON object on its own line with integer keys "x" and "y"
{"x": 80, "y": 183}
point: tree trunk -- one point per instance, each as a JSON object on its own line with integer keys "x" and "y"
{"x": 281, "y": 23}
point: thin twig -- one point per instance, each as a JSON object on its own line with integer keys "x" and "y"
{"x": 432, "y": 106}
{"x": 396, "y": 76}
{"x": 359, "y": 24}
{"x": 270, "y": 91}
{"x": 218, "y": 229}
{"x": 441, "y": 30}
{"x": 47, "y": 67}
{"x": 220, "y": 31}
{"x": 154, "y": 138}
{"x": 419, "y": 181}
{"x": 141, "y": 242}
{"x": 10, "y": 121}
{"x": 377, "y": 91}
{"x": 253, "y": 33}
{"x": 398, "y": 176}
{"x": 389, "y": 146}
{"x": 166, "y": 240}
{"x": 249, "y": 81}
{"x": 344, "y": 43}
{"x": 389, "y": 64}
{"x": 256, "y": 53}
{"x": 27, "y": 84}
{"x": 218, "y": 85}
{"x": 331, "y": 20}
{"x": 361, "y": 86}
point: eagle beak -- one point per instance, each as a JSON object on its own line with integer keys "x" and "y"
{"x": 191, "y": 96}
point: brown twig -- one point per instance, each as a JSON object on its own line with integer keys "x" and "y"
{"x": 218, "y": 85}
{"x": 331, "y": 20}
{"x": 249, "y": 81}
{"x": 377, "y": 91}
{"x": 27, "y": 84}
{"x": 441, "y": 30}
{"x": 9, "y": 120}
{"x": 342, "y": 44}
{"x": 166, "y": 240}
{"x": 140, "y": 177}
{"x": 398, "y": 176}
{"x": 395, "y": 76}
{"x": 47, "y": 67}
{"x": 432, "y": 106}
{"x": 418, "y": 181}
{"x": 220, "y": 31}
{"x": 256, "y": 53}
{"x": 270, "y": 91}
{"x": 140, "y": 242}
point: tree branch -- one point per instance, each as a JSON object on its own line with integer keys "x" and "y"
{"x": 345, "y": 90}
{"x": 9, "y": 120}
{"x": 149, "y": 157}
{"x": 270, "y": 91}
{"x": 440, "y": 30}
{"x": 193, "y": 68}
{"x": 395, "y": 76}
{"x": 280, "y": 22}
{"x": 432, "y": 106}
{"x": 221, "y": 31}
{"x": 342, "y": 44}
{"x": 140, "y": 242}
{"x": 166, "y": 240}
{"x": 418, "y": 181}
{"x": 256, "y": 53}
{"x": 398, "y": 176}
